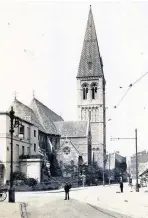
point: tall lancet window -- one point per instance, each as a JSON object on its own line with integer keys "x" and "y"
{"x": 85, "y": 91}
{"x": 94, "y": 91}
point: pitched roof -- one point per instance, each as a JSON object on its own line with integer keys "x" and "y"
{"x": 26, "y": 113}
{"x": 90, "y": 62}
{"x": 72, "y": 128}
{"x": 46, "y": 116}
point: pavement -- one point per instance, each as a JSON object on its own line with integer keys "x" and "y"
{"x": 133, "y": 204}
{"x": 10, "y": 210}
{"x": 96, "y": 201}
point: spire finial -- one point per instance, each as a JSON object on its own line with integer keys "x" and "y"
{"x": 33, "y": 92}
{"x": 15, "y": 95}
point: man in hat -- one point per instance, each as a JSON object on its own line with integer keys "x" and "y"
{"x": 67, "y": 188}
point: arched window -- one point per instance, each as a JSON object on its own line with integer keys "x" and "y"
{"x": 94, "y": 91}
{"x": 85, "y": 91}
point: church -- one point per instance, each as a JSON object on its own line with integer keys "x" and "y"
{"x": 90, "y": 107}
{"x": 68, "y": 144}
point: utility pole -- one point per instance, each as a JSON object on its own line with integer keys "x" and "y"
{"x": 109, "y": 166}
{"x": 104, "y": 129}
{"x": 137, "y": 186}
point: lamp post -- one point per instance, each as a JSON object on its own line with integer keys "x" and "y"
{"x": 14, "y": 122}
{"x": 109, "y": 174}
{"x": 137, "y": 187}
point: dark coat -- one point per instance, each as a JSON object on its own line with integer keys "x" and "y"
{"x": 121, "y": 184}
{"x": 66, "y": 188}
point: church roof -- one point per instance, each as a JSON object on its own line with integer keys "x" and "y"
{"x": 72, "y": 128}
{"x": 46, "y": 116}
{"x": 26, "y": 113}
{"x": 90, "y": 63}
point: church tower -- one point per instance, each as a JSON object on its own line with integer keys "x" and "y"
{"x": 91, "y": 91}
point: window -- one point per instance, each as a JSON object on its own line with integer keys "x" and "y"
{"x": 35, "y": 147}
{"x": 28, "y": 150}
{"x": 17, "y": 152}
{"x": 34, "y": 133}
{"x": 28, "y": 133}
{"x": 85, "y": 91}
{"x": 94, "y": 91}
{"x": 22, "y": 130}
{"x": 66, "y": 150}
{"x": 23, "y": 150}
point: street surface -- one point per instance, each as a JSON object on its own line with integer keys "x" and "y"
{"x": 53, "y": 205}
{"x": 97, "y": 201}
{"x": 58, "y": 208}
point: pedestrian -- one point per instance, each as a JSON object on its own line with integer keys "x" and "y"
{"x": 66, "y": 188}
{"x": 130, "y": 184}
{"x": 121, "y": 185}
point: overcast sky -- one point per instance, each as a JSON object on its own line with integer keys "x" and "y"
{"x": 40, "y": 48}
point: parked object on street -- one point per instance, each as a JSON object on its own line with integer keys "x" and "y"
{"x": 3, "y": 194}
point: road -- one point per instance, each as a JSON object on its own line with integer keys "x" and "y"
{"x": 53, "y": 205}
{"x": 58, "y": 208}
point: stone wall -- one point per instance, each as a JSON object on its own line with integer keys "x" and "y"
{"x": 75, "y": 147}
{"x": 31, "y": 168}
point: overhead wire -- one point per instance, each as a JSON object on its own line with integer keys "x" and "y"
{"x": 130, "y": 86}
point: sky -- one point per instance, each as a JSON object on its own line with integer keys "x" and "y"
{"x": 40, "y": 48}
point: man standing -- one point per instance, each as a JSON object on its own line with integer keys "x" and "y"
{"x": 121, "y": 185}
{"x": 67, "y": 188}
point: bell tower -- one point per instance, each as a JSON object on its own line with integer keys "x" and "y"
{"x": 91, "y": 91}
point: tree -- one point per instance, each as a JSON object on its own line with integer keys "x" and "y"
{"x": 19, "y": 176}
{"x": 31, "y": 182}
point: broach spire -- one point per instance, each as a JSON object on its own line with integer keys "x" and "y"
{"x": 90, "y": 63}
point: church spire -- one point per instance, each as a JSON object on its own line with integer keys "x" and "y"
{"x": 90, "y": 63}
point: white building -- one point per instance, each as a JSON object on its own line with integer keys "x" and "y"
{"x": 31, "y": 153}
{"x": 28, "y": 145}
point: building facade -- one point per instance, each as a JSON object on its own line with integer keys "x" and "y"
{"x": 26, "y": 146}
{"x": 74, "y": 147}
{"x": 142, "y": 163}
{"x": 116, "y": 166}
{"x": 33, "y": 154}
